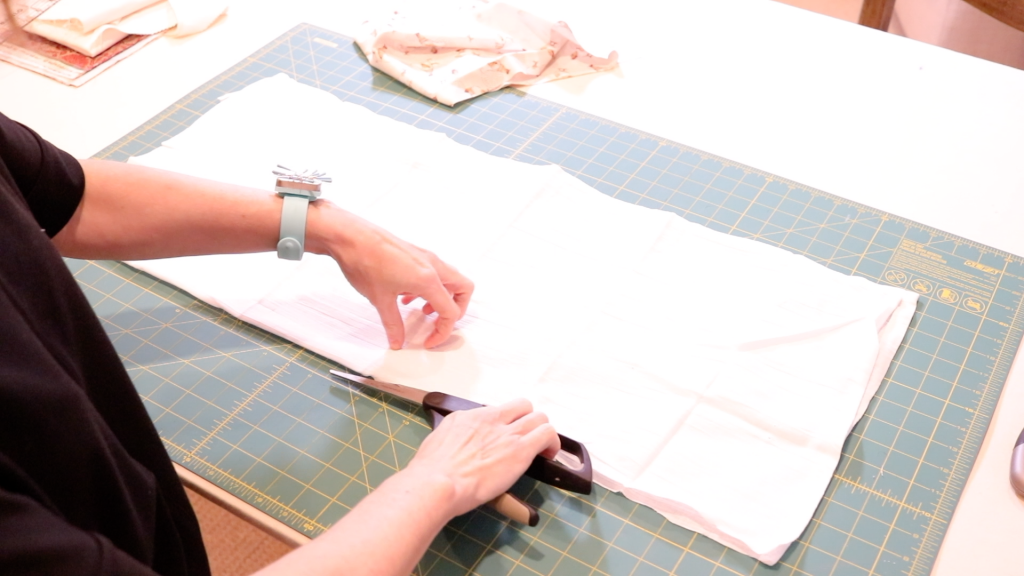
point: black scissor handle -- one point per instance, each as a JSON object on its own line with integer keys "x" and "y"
{"x": 574, "y": 479}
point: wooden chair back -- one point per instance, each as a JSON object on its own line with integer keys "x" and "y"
{"x": 878, "y": 13}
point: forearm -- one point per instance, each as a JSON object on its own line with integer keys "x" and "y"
{"x": 133, "y": 212}
{"x": 386, "y": 534}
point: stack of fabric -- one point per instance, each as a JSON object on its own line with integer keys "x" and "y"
{"x": 713, "y": 378}
{"x": 92, "y": 26}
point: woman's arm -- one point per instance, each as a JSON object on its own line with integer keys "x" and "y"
{"x": 133, "y": 212}
{"x": 472, "y": 457}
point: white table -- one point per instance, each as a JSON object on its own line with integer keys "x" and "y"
{"x": 915, "y": 130}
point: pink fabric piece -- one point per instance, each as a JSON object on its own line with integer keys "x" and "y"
{"x": 454, "y": 56}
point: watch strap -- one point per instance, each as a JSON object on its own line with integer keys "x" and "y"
{"x": 297, "y": 189}
{"x": 293, "y": 227}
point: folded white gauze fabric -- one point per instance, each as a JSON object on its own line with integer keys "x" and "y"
{"x": 713, "y": 378}
{"x": 453, "y": 55}
{"x": 92, "y": 26}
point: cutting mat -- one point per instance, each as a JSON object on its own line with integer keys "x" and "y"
{"x": 257, "y": 416}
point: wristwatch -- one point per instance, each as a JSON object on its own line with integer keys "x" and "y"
{"x": 298, "y": 189}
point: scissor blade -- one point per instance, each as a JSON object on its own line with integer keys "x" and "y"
{"x": 411, "y": 394}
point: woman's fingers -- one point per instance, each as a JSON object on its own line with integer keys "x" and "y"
{"x": 514, "y": 410}
{"x": 447, "y": 298}
{"x": 462, "y": 297}
{"x": 527, "y": 427}
{"x": 543, "y": 440}
{"x": 527, "y": 423}
{"x": 448, "y": 312}
{"x": 391, "y": 318}
{"x": 460, "y": 287}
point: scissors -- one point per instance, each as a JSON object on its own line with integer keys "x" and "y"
{"x": 1017, "y": 466}
{"x": 570, "y": 470}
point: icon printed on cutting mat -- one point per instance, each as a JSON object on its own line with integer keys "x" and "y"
{"x": 972, "y": 304}
{"x": 896, "y": 277}
{"x": 921, "y": 286}
{"x": 948, "y": 295}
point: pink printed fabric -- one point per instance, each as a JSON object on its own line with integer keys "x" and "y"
{"x": 454, "y": 56}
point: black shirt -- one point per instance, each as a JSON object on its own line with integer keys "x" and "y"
{"x": 85, "y": 484}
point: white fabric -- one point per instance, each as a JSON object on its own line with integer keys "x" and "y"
{"x": 454, "y": 55}
{"x": 713, "y": 378}
{"x": 92, "y": 26}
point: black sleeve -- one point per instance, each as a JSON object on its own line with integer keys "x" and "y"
{"x": 50, "y": 180}
{"x": 38, "y": 542}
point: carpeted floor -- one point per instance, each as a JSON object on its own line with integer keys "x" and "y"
{"x": 235, "y": 547}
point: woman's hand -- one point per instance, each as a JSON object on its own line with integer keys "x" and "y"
{"x": 480, "y": 453}
{"x": 383, "y": 268}
{"x": 472, "y": 457}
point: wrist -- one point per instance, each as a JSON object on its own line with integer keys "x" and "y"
{"x": 427, "y": 490}
{"x": 327, "y": 225}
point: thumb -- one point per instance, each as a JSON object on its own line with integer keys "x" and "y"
{"x": 391, "y": 318}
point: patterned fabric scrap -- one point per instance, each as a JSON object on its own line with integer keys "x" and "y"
{"x": 454, "y": 56}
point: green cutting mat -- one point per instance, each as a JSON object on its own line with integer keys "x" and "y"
{"x": 257, "y": 416}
